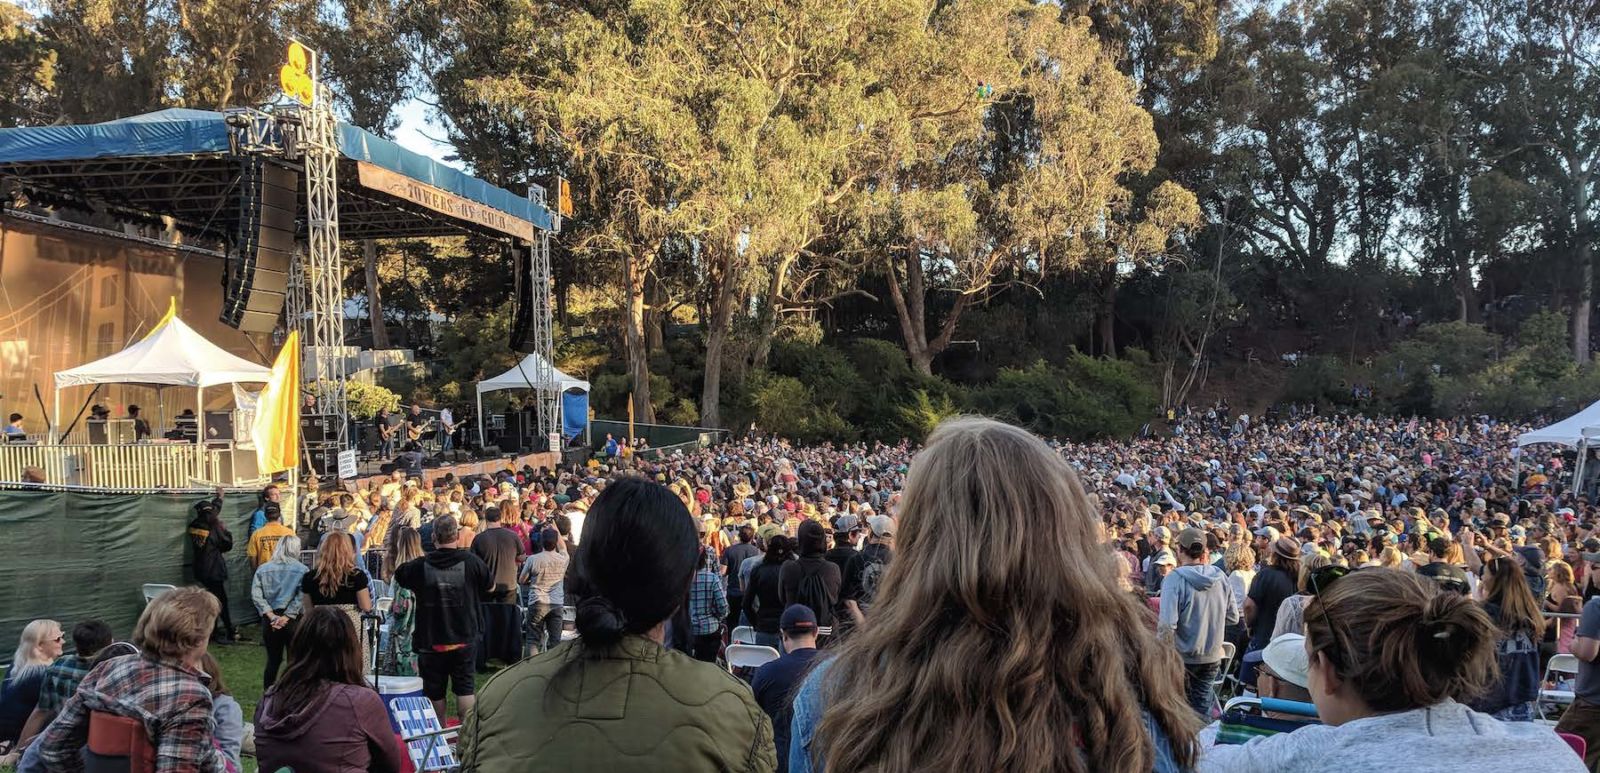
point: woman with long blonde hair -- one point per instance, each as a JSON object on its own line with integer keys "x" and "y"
{"x": 999, "y": 640}
{"x": 334, "y": 580}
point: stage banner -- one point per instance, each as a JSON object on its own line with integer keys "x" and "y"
{"x": 276, "y": 428}
{"x": 78, "y": 556}
{"x": 574, "y": 413}
{"x": 442, "y": 201}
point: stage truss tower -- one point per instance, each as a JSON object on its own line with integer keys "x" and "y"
{"x": 547, "y": 401}
{"x": 316, "y": 300}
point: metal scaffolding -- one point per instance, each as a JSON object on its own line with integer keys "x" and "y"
{"x": 547, "y": 402}
{"x": 316, "y": 298}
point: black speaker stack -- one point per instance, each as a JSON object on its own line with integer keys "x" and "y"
{"x": 522, "y": 297}
{"x": 319, "y": 435}
{"x": 256, "y": 278}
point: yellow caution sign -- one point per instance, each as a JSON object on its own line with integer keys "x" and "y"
{"x": 295, "y": 76}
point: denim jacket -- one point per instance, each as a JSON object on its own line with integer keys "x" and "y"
{"x": 277, "y": 586}
{"x": 808, "y": 710}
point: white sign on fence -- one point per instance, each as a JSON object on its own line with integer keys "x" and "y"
{"x": 347, "y": 464}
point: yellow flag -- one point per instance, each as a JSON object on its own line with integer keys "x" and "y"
{"x": 172, "y": 311}
{"x": 276, "y": 428}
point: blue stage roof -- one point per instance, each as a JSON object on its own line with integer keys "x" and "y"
{"x": 184, "y": 132}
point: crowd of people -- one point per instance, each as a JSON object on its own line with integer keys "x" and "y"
{"x": 988, "y": 601}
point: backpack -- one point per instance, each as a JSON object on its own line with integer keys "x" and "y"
{"x": 813, "y": 592}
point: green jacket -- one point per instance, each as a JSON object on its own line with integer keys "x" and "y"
{"x": 635, "y": 707}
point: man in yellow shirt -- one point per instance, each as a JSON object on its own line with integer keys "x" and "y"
{"x": 265, "y": 539}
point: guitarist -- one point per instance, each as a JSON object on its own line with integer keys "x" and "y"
{"x": 447, "y": 430}
{"x": 417, "y": 426}
{"x": 388, "y": 426}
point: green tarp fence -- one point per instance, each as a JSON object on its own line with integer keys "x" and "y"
{"x": 72, "y": 556}
{"x": 659, "y": 435}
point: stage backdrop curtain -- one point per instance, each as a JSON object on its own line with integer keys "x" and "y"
{"x": 76, "y": 555}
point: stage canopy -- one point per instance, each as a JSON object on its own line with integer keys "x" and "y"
{"x": 1567, "y": 432}
{"x": 525, "y": 375}
{"x": 178, "y": 163}
{"x": 173, "y": 354}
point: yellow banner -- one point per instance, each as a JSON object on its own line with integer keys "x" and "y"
{"x": 276, "y": 428}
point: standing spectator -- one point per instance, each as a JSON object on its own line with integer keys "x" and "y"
{"x": 1275, "y": 582}
{"x": 1519, "y": 627}
{"x": 812, "y": 580}
{"x": 544, "y": 573}
{"x": 846, "y": 532}
{"x": 707, "y": 607}
{"x": 774, "y": 683}
{"x": 1196, "y": 609}
{"x": 265, "y": 539}
{"x": 1391, "y": 658}
{"x": 61, "y": 679}
{"x": 400, "y": 659}
{"x": 1291, "y": 613}
{"x": 211, "y": 540}
{"x": 269, "y": 495}
{"x": 39, "y": 646}
{"x": 500, "y": 550}
{"x": 1000, "y": 548}
{"x": 732, "y": 559}
{"x": 162, "y": 687}
{"x": 275, "y": 592}
{"x": 226, "y": 715}
{"x": 1158, "y": 551}
{"x": 589, "y": 704}
{"x": 865, "y": 569}
{"x": 450, "y": 583}
{"x": 321, "y": 717}
{"x": 336, "y": 580}
{"x": 763, "y": 595}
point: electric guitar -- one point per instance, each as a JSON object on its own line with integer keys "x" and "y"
{"x": 414, "y": 432}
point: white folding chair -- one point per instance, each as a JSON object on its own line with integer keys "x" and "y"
{"x": 1221, "y": 679}
{"x": 749, "y": 656}
{"x": 382, "y": 604}
{"x": 1566, "y": 665}
{"x": 153, "y": 589}
{"x": 743, "y": 634}
{"x": 427, "y": 740}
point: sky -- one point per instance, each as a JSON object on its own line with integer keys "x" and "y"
{"x": 419, "y": 133}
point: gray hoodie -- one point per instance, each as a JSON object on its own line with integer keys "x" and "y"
{"x": 1196, "y": 609}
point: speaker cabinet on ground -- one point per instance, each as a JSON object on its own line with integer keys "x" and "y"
{"x": 256, "y": 278}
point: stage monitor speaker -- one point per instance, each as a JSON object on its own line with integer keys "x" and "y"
{"x": 322, "y": 460}
{"x": 256, "y": 277}
{"x": 522, "y": 296}
{"x": 318, "y": 428}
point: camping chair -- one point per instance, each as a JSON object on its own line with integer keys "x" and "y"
{"x": 427, "y": 741}
{"x": 1239, "y": 724}
{"x": 153, "y": 589}
{"x": 569, "y": 620}
{"x": 743, "y": 634}
{"x": 749, "y": 656}
{"x": 1220, "y": 681}
{"x": 117, "y": 745}
{"x": 1559, "y": 665}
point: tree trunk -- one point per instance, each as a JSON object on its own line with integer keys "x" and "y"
{"x": 770, "y": 315}
{"x": 655, "y": 328}
{"x": 380, "y": 329}
{"x": 720, "y": 319}
{"x": 909, "y": 313}
{"x": 633, "y": 335}
{"x": 1584, "y": 308}
{"x": 1106, "y": 317}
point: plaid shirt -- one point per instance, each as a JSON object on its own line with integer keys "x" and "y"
{"x": 170, "y": 699}
{"x": 708, "y": 603}
{"x": 61, "y": 681}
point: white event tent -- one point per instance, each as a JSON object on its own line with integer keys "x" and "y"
{"x": 525, "y": 375}
{"x": 172, "y": 354}
{"x": 1575, "y": 431}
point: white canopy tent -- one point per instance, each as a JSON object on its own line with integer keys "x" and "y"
{"x": 172, "y": 354}
{"x": 1577, "y": 431}
{"x": 525, "y": 375}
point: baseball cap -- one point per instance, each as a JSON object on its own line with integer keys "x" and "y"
{"x": 798, "y": 617}
{"x": 1285, "y": 655}
{"x": 1191, "y": 536}
{"x": 1270, "y": 532}
{"x": 1164, "y": 557}
{"x": 1162, "y": 533}
{"x": 882, "y": 525}
{"x": 845, "y": 524}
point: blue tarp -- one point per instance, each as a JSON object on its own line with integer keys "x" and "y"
{"x": 181, "y": 132}
{"x": 574, "y": 413}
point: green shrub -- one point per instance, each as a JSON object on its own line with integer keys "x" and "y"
{"x": 1087, "y": 397}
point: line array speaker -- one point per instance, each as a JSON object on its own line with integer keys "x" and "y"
{"x": 522, "y": 297}
{"x": 256, "y": 278}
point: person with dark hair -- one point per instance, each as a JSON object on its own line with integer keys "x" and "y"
{"x": 708, "y": 605}
{"x": 450, "y": 583}
{"x": 226, "y": 714}
{"x": 211, "y": 540}
{"x": 543, "y": 573}
{"x": 501, "y": 551}
{"x": 263, "y": 539}
{"x": 1391, "y": 660}
{"x": 1519, "y": 626}
{"x": 812, "y": 580}
{"x": 763, "y": 595}
{"x": 731, "y": 559}
{"x": 774, "y": 683}
{"x": 321, "y": 717}
{"x": 1196, "y": 609}
{"x": 614, "y": 699}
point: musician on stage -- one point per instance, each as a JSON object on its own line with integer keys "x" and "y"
{"x": 387, "y": 425}
{"x": 447, "y": 430}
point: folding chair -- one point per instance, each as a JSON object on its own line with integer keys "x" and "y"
{"x": 749, "y": 656}
{"x": 427, "y": 741}
{"x": 743, "y": 634}
{"x": 1221, "y": 679}
{"x": 117, "y": 745}
{"x": 153, "y": 589}
{"x": 569, "y": 619}
{"x": 1560, "y": 664}
{"x": 1239, "y": 724}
